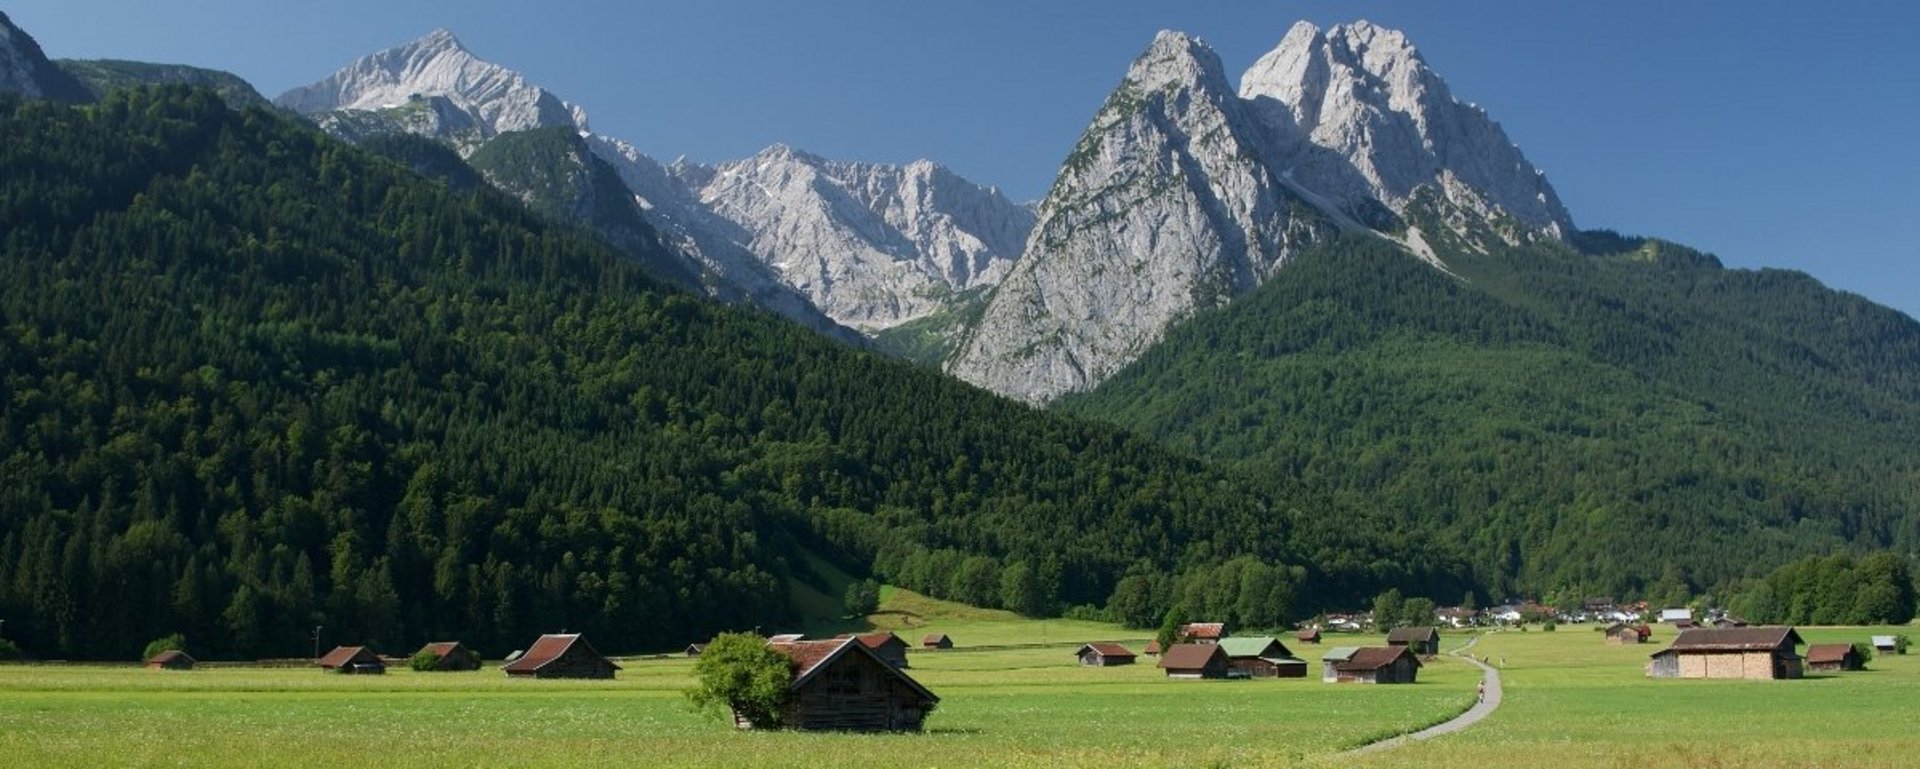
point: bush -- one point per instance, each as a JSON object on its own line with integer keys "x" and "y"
{"x": 1087, "y": 612}
{"x": 1864, "y": 651}
{"x": 738, "y": 674}
{"x": 171, "y": 643}
{"x": 8, "y": 651}
{"x": 1900, "y": 643}
{"x": 424, "y": 661}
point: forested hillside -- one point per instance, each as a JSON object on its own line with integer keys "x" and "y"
{"x": 257, "y": 380}
{"x": 1632, "y": 421}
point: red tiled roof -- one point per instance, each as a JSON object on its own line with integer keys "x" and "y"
{"x": 1189, "y": 656}
{"x": 1828, "y": 652}
{"x": 1203, "y": 630}
{"x": 1107, "y": 649}
{"x": 1375, "y": 658}
{"x": 877, "y": 640}
{"x": 550, "y": 647}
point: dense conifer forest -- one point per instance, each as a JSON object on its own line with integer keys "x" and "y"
{"x": 257, "y": 380}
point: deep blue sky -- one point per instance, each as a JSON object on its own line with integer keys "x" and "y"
{"x": 1770, "y": 133}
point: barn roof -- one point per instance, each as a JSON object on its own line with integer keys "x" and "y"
{"x": 441, "y": 648}
{"x": 169, "y": 656}
{"x": 1339, "y": 654}
{"x": 877, "y": 640}
{"x": 1735, "y": 639}
{"x": 1255, "y": 646}
{"x": 936, "y": 638}
{"x": 1105, "y": 649}
{"x": 787, "y": 638}
{"x": 1189, "y": 656}
{"x": 810, "y": 657}
{"x": 1401, "y": 635}
{"x": 1883, "y": 640}
{"x": 1308, "y": 633}
{"x": 550, "y": 647}
{"x": 1375, "y": 658}
{"x": 1828, "y": 652}
{"x": 1204, "y": 630}
{"x": 347, "y": 655}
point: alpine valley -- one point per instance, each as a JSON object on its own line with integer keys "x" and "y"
{"x": 412, "y": 352}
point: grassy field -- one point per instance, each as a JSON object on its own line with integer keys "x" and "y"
{"x": 1571, "y": 700}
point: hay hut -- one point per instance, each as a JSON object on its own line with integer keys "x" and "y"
{"x": 1748, "y": 652}
{"x": 452, "y": 656}
{"x": 171, "y": 660}
{"x": 1104, "y": 655}
{"x": 1833, "y": 658}
{"x": 842, "y": 685}
{"x": 561, "y": 655}
{"x": 1195, "y": 661}
{"x": 1623, "y": 634}
{"x": 936, "y": 641}
{"x": 1309, "y": 635}
{"x": 1423, "y": 641}
{"x": 1201, "y": 633}
{"x": 694, "y": 650}
{"x": 353, "y": 660}
{"x": 889, "y": 647}
{"x": 1377, "y": 665}
{"x": 1262, "y": 657}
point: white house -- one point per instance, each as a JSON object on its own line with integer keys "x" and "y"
{"x": 1676, "y": 615}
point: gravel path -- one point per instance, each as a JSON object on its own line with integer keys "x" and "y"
{"x": 1488, "y": 675}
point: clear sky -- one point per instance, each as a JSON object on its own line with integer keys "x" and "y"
{"x": 1773, "y": 134}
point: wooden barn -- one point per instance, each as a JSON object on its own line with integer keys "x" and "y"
{"x": 842, "y": 685}
{"x": 171, "y": 660}
{"x": 1748, "y": 652}
{"x": 1623, "y": 634}
{"x": 1195, "y": 661}
{"x": 1308, "y": 635}
{"x": 1423, "y": 641}
{"x": 1201, "y": 633}
{"x": 1833, "y": 658}
{"x": 565, "y": 655}
{"x": 1103, "y": 655}
{"x": 694, "y": 650}
{"x": 1330, "y": 661}
{"x": 1153, "y": 648}
{"x": 1376, "y": 665}
{"x": 1885, "y": 643}
{"x": 888, "y": 646}
{"x": 452, "y": 655}
{"x": 353, "y": 660}
{"x": 936, "y": 641}
{"x": 1262, "y": 657}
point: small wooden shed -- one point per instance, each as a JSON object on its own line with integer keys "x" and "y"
{"x": 1833, "y": 658}
{"x": 1195, "y": 661}
{"x": 1330, "y": 662}
{"x": 1101, "y": 655}
{"x": 1423, "y": 641}
{"x": 1378, "y": 665}
{"x": 842, "y": 685}
{"x": 453, "y": 656}
{"x": 1623, "y": 634}
{"x": 353, "y": 660}
{"x": 1748, "y": 652}
{"x": 171, "y": 660}
{"x": 1261, "y": 657}
{"x": 1885, "y": 643}
{"x": 1153, "y": 648}
{"x": 1309, "y": 635}
{"x": 693, "y": 650}
{"x": 936, "y": 641}
{"x": 561, "y": 655}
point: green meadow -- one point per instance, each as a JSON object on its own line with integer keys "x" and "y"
{"x": 1571, "y": 699}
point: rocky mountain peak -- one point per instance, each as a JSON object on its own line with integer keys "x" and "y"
{"x": 437, "y": 65}
{"x": 25, "y": 69}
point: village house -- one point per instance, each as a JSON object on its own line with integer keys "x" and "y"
{"x": 936, "y": 641}
{"x": 1100, "y": 655}
{"x": 1748, "y": 652}
{"x": 1261, "y": 657}
{"x": 1310, "y": 635}
{"x": 1505, "y": 615}
{"x": 1201, "y": 633}
{"x": 1458, "y": 616}
{"x": 887, "y": 646}
{"x": 1833, "y": 658}
{"x": 1423, "y": 641}
{"x": 1373, "y": 665}
{"x": 171, "y": 660}
{"x": 1194, "y": 661}
{"x": 561, "y": 655}
{"x": 842, "y": 685}
{"x": 353, "y": 660}
{"x": 1676, "y": 614}
{"x": 452, "y": 656}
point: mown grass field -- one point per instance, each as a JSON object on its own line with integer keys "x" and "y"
{"x": 1572, "y": 701}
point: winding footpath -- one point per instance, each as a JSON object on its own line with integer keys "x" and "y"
{"x": 1488, "y": 676}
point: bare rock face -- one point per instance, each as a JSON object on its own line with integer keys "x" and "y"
{"x": 25, "y": 70}
{"x": 436, "y": 87}
{"x": 871, "y": 245}
{"x": 1183, "y": 194}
